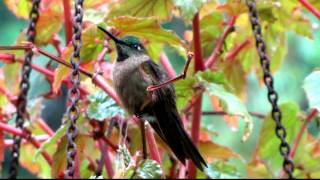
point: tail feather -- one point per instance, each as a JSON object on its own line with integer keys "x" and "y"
{"x": 169, "y": 127}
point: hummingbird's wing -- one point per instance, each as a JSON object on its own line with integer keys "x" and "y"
{"x": 168, "y": 123}
{"x": 153, "y": 71}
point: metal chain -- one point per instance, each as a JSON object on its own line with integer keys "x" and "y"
{"x": 284, "y": 148}
{"x": 24, "y": 88}
{"x": 74, "y": 93}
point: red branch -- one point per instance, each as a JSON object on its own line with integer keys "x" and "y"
{"x": 45, "y": 154}
{"x": 311, "y": 8}
{"x": 8, "y": 58}
{"x": 199, "y": 66}
{"x": 216, "y": 52}
{"x": 297, "y": 141}
{"x": 310, "y": 116}
{"x": 235, "y": 51}
{"x": 107, "y": 160}
{"x": 12, "y": 130}
{"x": 167, "y": 65}
{"x": 107, "y": 141}
{"x": 40, "y": 138}
{"x": 67, "y": 20}
{"x": 196, "y": 118}
{"x": 196, "y": 115}
{"x": 154, "y": 153}
{"x": 96, "y": 78}
{"x": 100, "y": 82}
{"x": 44, "y": 126}
{"x": 33, "y": 141}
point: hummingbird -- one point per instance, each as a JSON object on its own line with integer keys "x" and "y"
{"x": 133, "y": 72}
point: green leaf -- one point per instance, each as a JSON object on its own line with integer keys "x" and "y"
{"x": 312, "y": 89}
{"x": 231, "y": 103}
{"x": 51, "y": 141}
{"x": 40, "y": 167}
{"x": 102, "y": 106}
{"x": 49, "y": 24}
{"x": 222, "y": 170}
{"x": 94, "y": 3}
{"x": 93, "y": 16}
{"x": 268, "y": 147}
{"x": 154, "y": 50}
{"x": 11, "y": 77}
{"x": 160, "y": 9}
{"x": 124, "y": 163}
{"x": 20, "y": 8}
{"x": 148, "y": 169}
{"x": 145, "y": 28}
{"x": 184, "y": 91}
{"x": 89, "y": 52}
{"x": 55, "y": 138}
{"x": 210, "y": 29}
{"x": 189, "y": 7}
{"x": 59, "y": 163}
{"x": 212, "y": 151}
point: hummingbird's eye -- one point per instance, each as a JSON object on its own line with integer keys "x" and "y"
{"x": 137, "y": 46}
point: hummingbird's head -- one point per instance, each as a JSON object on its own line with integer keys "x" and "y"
{"x": 126, "y": 46}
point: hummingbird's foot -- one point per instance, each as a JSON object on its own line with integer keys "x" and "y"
{"x": 152, "y": 88}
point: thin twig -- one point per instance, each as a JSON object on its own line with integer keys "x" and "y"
{"x": 208, "y": 113}
{"x": 216, "y": 52}
{"x": 297, "y": 141}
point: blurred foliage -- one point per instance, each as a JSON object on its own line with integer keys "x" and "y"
{"x": 235, "y": 145}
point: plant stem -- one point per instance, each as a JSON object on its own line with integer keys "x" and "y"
{"x": 297, "y": 141}
{"x": 105, "y": 158}
{"x": 96, "y": 78}
{"x": 216, "y": 52}
{"x": 153, "y": 148}
{"x": 311, "y": 8}
{"x": 199, "y": 65}
{"x": 67, "y": 20}
{"x": 8, "y": 58}
{"x": 40, "y": 138}
{"x": 235, "y": 51}
{"x": 33, "y": 141}
{"x": 196, "y": 115}
{"x": 196, "y": 118}
{"x": 44, "y": 126}
{"x": 107, "y": 141}
{"x": 12, "y": 130}
{"x": 310, "y": 116}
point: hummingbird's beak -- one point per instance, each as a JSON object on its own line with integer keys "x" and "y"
{"x": 116, "y": 40}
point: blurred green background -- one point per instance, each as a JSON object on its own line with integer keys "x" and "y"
{"x": 302, "y": 58}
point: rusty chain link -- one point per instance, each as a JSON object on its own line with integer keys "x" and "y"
{"x": 73, "y": 111}
{"x": 24, "y": 88}
{"x": 284, "y": 148}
